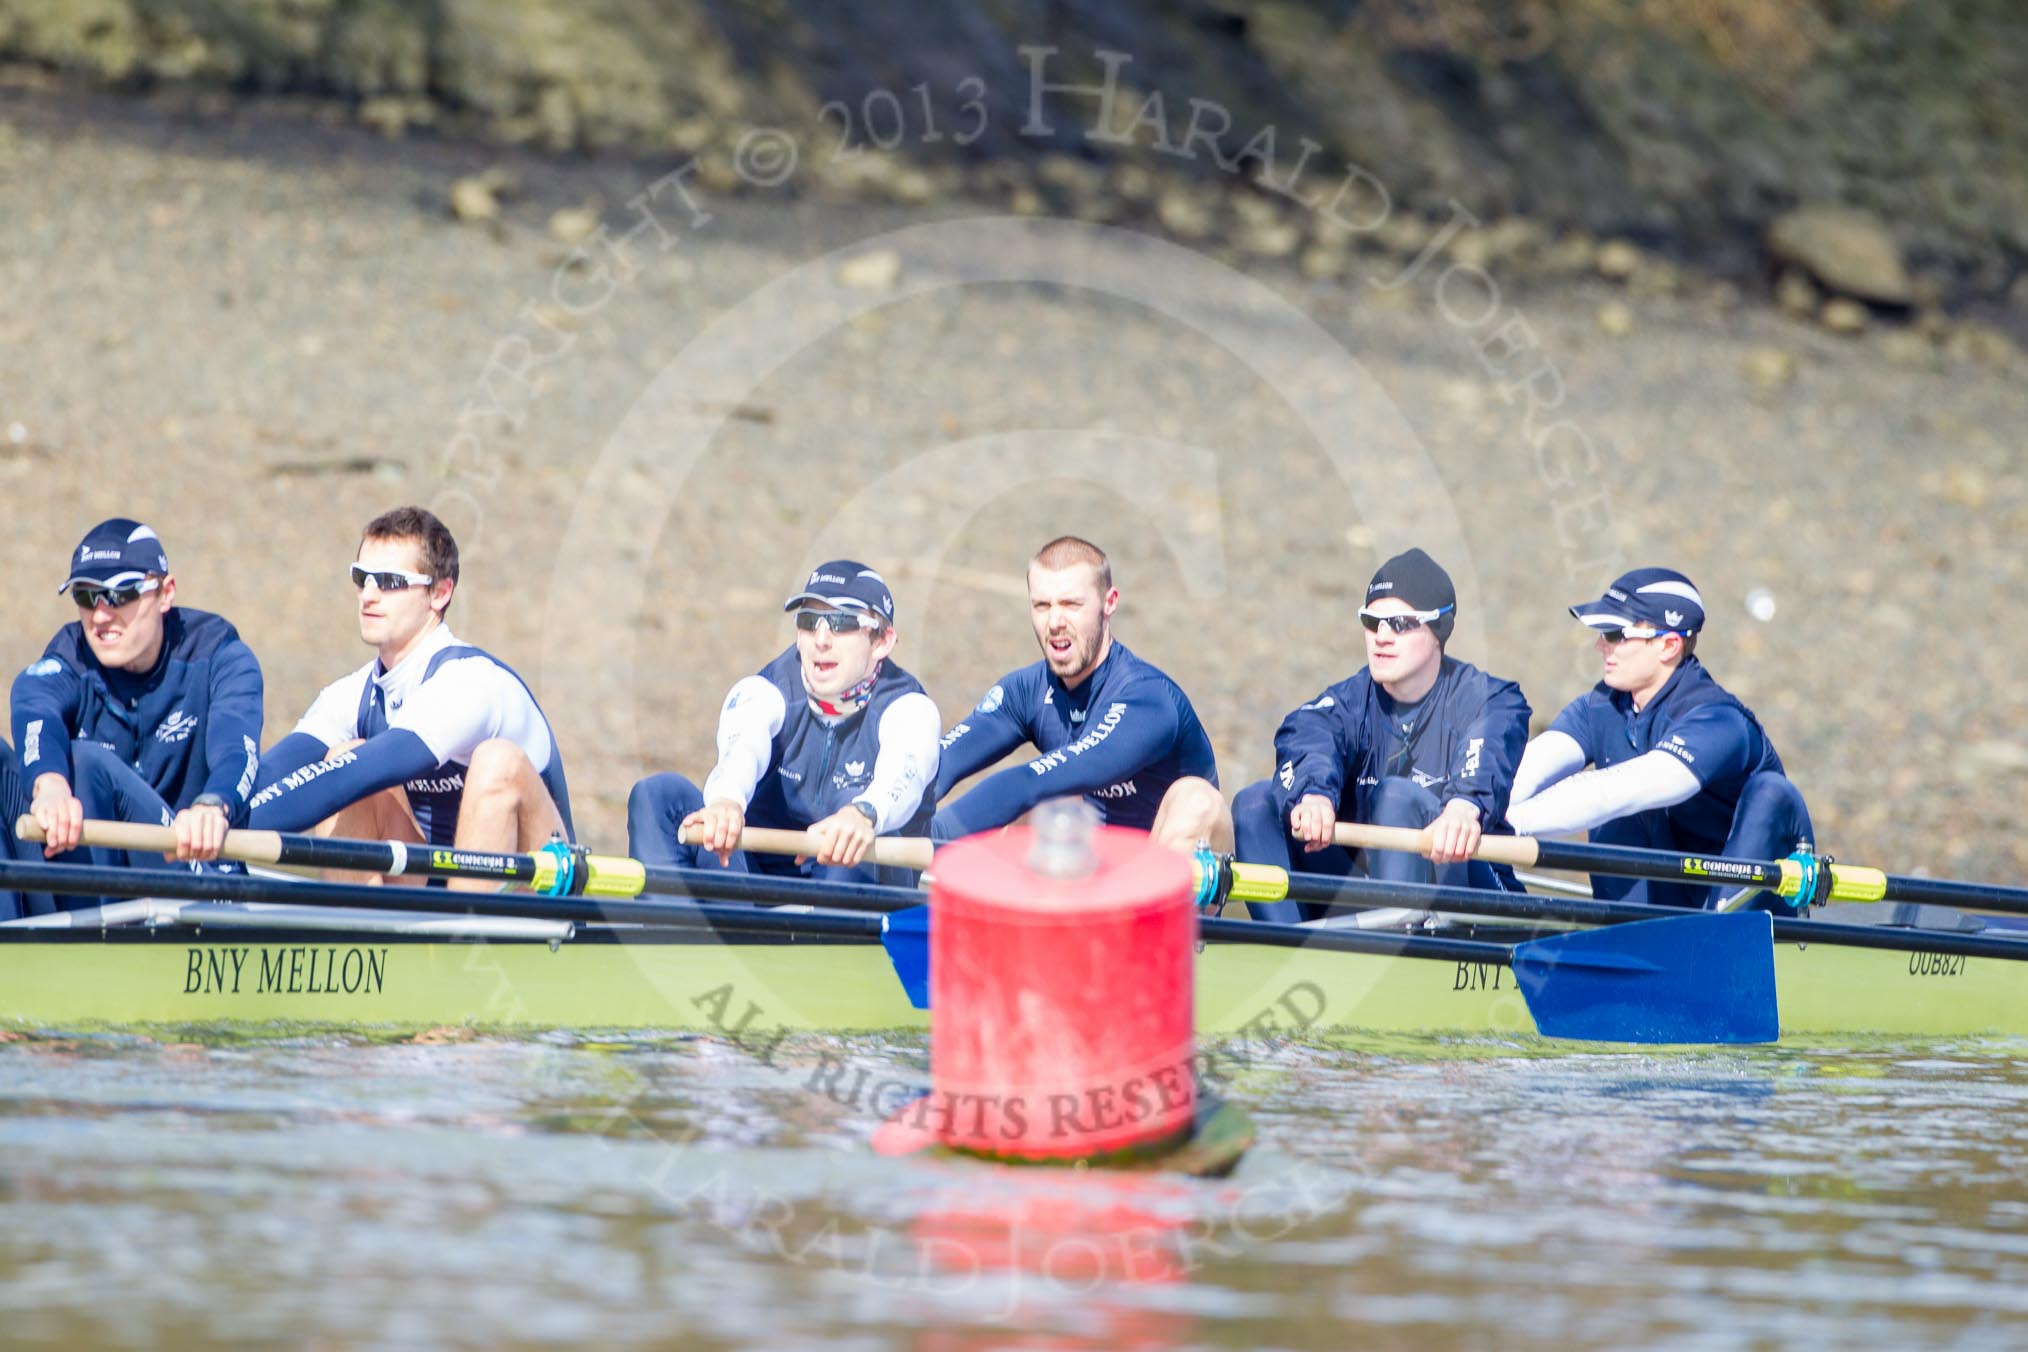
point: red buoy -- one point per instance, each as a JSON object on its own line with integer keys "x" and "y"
{"x": 1062, "y": 973}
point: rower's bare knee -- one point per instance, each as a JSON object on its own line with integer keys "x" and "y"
{"x": 506, "y": 805}
{"x": 1193, "y": 810}
{"x": 500, "y": 770}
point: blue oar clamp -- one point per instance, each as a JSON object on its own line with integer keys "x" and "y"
{"x": 1214, "y": 879}
{"x": 1813, "y": 886}
{"x": 568, "y": 860}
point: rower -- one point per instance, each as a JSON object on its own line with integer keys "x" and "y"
{"x": 1109, "y": 726}
{"x": 1677, "y": 763}
{"x": 829, "y": 737}
{"x": 1415, "y": 738}
{"x": 138, "y": 710}
{"x": 433, "y": 741}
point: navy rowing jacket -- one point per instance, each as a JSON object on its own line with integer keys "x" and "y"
{"x": 1695, "y": 720}
{"x": 1461, "y": 740}
{"x": 190, "y": 726}
{"x": 1120, "y": 739}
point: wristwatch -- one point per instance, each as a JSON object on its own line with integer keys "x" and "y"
{"x": 872, "y": 813}
{"x": 210, "y": 800}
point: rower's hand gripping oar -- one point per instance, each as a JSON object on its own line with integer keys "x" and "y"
{"x": 909, "y": 852}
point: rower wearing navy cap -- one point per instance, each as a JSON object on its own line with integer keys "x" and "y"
{"x": 1109, "y": 726}
{"x": 1415, "y": 738}
{"x": 433, "y": 741}
{"x": 138, "y": 710}
{"x": 830, "y": 737}
{"x": 1677, "y": 763}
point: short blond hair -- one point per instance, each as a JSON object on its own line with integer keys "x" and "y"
{"x": 1066, "y": 550}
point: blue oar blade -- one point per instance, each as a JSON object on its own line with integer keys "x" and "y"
{"x": 1699, "y": 977}
{"x": 905, "y": 936}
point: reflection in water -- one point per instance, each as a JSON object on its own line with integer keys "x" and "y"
{"x": 636, "y": 1190}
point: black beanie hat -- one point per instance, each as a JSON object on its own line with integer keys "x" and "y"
{"x": 1414, "y": 577}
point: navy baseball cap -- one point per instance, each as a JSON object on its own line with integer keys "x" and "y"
{"x": 115, "y": 553}
{"x": 1646, "y": 598}
{"x": 848, "y": 586}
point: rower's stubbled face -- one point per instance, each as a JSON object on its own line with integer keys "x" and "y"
{"x": 129, "y": 637}
{"x": 1072, "y": 618}
{"x": 1396, "y": 659}
{"x": 834, "y": 663}
{"x": 391, "y": 620}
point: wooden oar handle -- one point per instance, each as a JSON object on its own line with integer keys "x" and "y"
{"x": 249, "y": 847}
{"x": 912, "y": 852}
{"x": 1518, "y": 851}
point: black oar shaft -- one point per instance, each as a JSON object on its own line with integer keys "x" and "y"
{"x": 1801, "y": 877}
{"x": 771, "y": 889}
{"x": 1847, "y": 883}
{"x": 414, "y": 861}
{"x": 1348, "y": 894}
{"x": 1627, "y": 861}
{"x": 1948, "y": 892}
{"x": 84, "y": 880}
{"x": 1361, "y": 894}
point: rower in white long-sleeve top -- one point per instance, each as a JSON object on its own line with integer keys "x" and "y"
{"x": 1677, "y": 763}
{"x": 832, "y": 737}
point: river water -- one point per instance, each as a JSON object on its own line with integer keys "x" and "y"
{"x": 344, "y": 1191}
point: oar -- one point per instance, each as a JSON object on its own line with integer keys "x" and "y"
{"x": 557, "y": 870}
{"x": 73, "y": 879}
{"x": 1797, "y": 879}
{"x": 1686, "y": 978}
{"x": 1264, "y": 882}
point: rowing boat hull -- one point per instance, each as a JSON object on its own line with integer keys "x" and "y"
{"x": 688, "y": 982}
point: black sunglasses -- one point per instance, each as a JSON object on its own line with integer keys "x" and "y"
{"x": 838, "y": 621}
{"x": 88, "y": 597}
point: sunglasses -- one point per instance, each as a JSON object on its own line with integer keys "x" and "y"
{"x": 89, "y": 597}
{"x": 837, "y": 621}
{"x": 1402, "y": 624}
{"x": 1615, "y": 637}
{"x": 388, "y": 579}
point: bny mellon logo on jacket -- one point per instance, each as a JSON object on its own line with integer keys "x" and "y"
{"x": 176, "y": 727}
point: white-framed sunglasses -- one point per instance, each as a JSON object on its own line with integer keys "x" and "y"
{"x": 388, "y": 579}
{"x": 837, "y": 621}
{"x": 1402, "y": 624}
{"x": 1614, "y": 637}
{"x": 88, "y": 597}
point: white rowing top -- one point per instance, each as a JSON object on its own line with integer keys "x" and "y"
{"x": 467, "y": 701}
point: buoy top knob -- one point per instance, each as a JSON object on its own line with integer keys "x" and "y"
{"x": 1064, "y": 843}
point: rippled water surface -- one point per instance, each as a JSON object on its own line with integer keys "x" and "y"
{"x": 342, "y": 1191}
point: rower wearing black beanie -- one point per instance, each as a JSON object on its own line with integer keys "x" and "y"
{"x": 1415, "y": 738}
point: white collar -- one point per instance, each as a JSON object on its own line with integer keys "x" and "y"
{"x": 408, "y": 672}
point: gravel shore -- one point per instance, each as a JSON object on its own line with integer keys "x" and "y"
{"x": 255, "y": 331}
